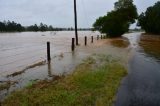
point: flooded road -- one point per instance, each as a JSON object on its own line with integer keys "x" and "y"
{"x": 141, "y": 86}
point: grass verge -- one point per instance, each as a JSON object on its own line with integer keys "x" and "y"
{"x": 94, "y": 82}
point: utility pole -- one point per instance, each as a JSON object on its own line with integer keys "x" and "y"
{"x": 75, "y": 17}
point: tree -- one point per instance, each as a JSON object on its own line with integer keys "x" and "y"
{"x": 2, "y": 27}
{"x": 43, "y": 27}
{"x": 50, "y": 28}
{"x": 117, "y": 22}
{"x": 19, "y": 28}
{"x": 10, "y": 26}
{"x": 150, "y": 20}
{"x": 33, "y": 28}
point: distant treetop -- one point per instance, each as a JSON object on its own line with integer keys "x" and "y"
{"x": 8, "y": 26}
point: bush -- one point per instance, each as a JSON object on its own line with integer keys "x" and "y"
{"x": 117, "y": 22}
{"x": 150, "y": 20}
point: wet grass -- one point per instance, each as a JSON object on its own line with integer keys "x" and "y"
{"x": 87, "y": 86}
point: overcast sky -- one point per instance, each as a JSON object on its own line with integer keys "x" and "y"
{"x": 60, "y": 13}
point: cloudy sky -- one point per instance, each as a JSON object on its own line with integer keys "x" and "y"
{"x": 59, "y": 13}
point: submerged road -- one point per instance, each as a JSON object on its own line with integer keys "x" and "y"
{"x": 142, "y": 85}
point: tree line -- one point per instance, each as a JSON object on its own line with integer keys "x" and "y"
{"x": 150, "y": 20}
{"x": 8, "y": 26}
{"x": 117, "y": 22}
{"x": 11, "y": 26}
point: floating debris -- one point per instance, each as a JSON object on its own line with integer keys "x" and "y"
{"x": 61, "y": 55}
{"x": 28, "y": 67}
{"x": 16, "y": 73}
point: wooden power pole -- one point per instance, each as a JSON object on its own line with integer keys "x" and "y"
{"x": 75, "y": 17}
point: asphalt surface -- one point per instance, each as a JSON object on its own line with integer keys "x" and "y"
{"x": 142, "y": 85}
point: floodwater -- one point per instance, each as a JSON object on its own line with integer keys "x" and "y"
{"x": 141, "y": 86}
{"x": 23, "y": 61}
{"x": 18, "y": 50}
{"x": 23, "y": 56}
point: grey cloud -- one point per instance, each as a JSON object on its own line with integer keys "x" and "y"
{"x": 60, "y": 12}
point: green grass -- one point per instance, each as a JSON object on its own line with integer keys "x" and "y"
{"x": 94, "y": 82}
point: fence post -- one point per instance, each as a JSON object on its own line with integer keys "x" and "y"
{"x": 48, "y": 52}
{"x": 97, "y": 37}
{"x": 73, "y": 44}
{"x": 91, "y": 39}
{"x": 101, "y": 36}
{"x": 85, "y": 40}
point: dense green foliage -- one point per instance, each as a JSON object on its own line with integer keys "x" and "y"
{"x": 41, "y": 27}
{"x": 8, "y": 26}
{"x": 16, "y": 27}
{"x": 150, "y": 20}
{"x": 117, "y": 22}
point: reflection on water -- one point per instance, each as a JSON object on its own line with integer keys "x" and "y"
{"x": 49, "y": 69}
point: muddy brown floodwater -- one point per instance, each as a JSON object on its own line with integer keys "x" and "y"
{"x": 23, "y": 56}
{"x": 23, "y": 62}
